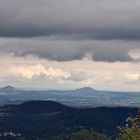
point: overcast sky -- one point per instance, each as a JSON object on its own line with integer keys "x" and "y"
{"x": 66, "y": 44}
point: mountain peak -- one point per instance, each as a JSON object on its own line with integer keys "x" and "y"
{"x": 86, "y": 89}
{"x": 8, "y": 89}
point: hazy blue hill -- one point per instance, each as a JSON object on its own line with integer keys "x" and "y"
{"x": 8, "y": 89}
{"x": 86, "y": 90}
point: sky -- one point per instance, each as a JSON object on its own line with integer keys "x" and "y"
{"x": 68, "y": 44}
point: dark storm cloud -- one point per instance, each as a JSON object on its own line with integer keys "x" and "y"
{"x": 65, "y": 30}
{"x": 112, "y": 54}
{"x": 93, "y": 19}
{"x": 67, "y": 50}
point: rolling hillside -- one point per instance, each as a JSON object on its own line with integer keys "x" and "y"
{"x": 51, "y": 120}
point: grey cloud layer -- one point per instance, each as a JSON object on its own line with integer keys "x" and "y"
{"x": 65, "y": 30}
{"x": 94, "y": 19}
{"x": 67, "y": 50}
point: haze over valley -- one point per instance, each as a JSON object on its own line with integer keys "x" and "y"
{"x": 83, "y": 97}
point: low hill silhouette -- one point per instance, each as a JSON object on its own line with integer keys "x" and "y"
{"x": 37, "y": 107}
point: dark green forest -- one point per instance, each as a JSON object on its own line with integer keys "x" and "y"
{"x": 47, "y": 120}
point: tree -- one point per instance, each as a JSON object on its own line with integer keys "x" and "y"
{"x": 131, "y": 131}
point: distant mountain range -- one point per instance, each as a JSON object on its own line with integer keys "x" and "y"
{"x": 11, "y": 88}
{"x": 83, "y": 97}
